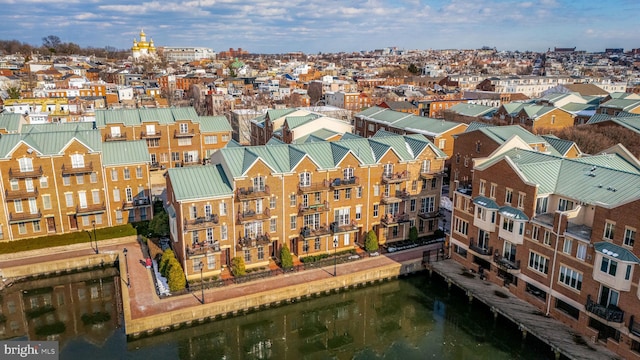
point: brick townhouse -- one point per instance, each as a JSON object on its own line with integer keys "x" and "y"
{"x": 253, "y": 200}
{"x": 57, "y": 179}
{"x": 558, "y": 233}
{"x": 175, "y": 137}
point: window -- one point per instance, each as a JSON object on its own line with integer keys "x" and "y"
{"x": 129, "y": 194}
{"x": 376, "y": 190}
{"x": 260, "y": 252}
{"x": 507, "y": 224}
{"x": 66, "y": 180}
{"x": 566, "y": 248}
{"x": 541, "y": 205}
{"x": 223, "y": 232}
{"x": 305, "y": 179}
{"x": 98, "y": 218}
{"x": 412, "y": 205}
{"x": 247, "y": 255}
{"x": 175, "y": 156}
{"x": 477, "y": 146}
{"x": 570, "y": 277}
{"x": 492, "y": 191}
{"x": 316, "y": 244}
{"x": 609, "y": 229}
{"x": 538, "y": 263}
{"x": 114, "y": 175}
{"x": 46, "y": 201}
{"x": 293, "y": 222}
{"x": 414, "y": 185}
{"x": 342, "y": 216}
{"x": 116, "y": 194}
{"x": 358, "y": 212}
{"x": 223, "y": 208}
{"x": 441, "y": 143}
{"x": 388, "y": 169}
{"x": 427, "y": 204}
{"x": 426, "y": 166}
{"x": 508, "y": 196}
{"x": 184, "y": 128}
{"x": 347, "y": 174}
{"x": 17, "y": 204}
{"x": 211, "y": 262}
{"x": 629, "y": 236}
{"x": 317, "y": 197}
{"x": 210, "y": 235}
{"x": 77, "y": 161}
{"x": 359, "y": 192}
{"x": 347, "y": 193}
{"x": 535, "y": 232}
{"x": 184, "y": 141}
{"x": 139, "y": 173}
{"x": 26, "y": 164}
{"x": 272, "y": 202}
{"x": 460, "y": 226}
{"x": 565, "y": 205}
{"x": 258, "y": 183}
{"x": 521, "y": 197}
{"x": 292, "y": 200}
{"x": 581, "y": 252}
{"x": 466, "y": 161}
{"x": 22, "y": 228}
{"x": 79, "y": 179}
{"x": 153, "y": 143}
{"x": 211, "y": 139}
{"x": 546, "y": 238}
{"x": 375, "y": 210}
{"x": 336, "y": 195}
{"x": 44, "y": 182}
{"x": 481, "y": 188}
{"x": 69, "y": 199}
{"x": 93, "y": 177}
{"x": 273, "y": 223}
{"x": 609, "y": 266}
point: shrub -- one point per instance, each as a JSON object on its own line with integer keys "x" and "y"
{"x": 176, "y": 279}
{"x": 413, "y": 234}
{"x": 371, "y": 241}
{"x": 159, "y": 225}
{"x": 286, "y": 260}
{"x": 165, "y": 261}
{"x": 238, "y": 267}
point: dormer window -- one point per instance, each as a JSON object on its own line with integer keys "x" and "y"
{"x": 26, "y": 164}
{"x": 77, "y": 161}
{"x": 347, "y": 174}
{"x": 184, "y": 128}
{"x": 305, "y": 179}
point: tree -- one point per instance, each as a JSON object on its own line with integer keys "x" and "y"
{"x": 413, "y": 69}
{"x": 238, "y": 267}
{"x": 159, "y": 225}
{"x": 176, "y": 279}
{"x": 286, "y": 260}
{"x": 165, "y": 262}
{"x": 13, "y": 92}
{"x": 371, "y": 241}
{"x": 413, "y": 234}
{"x": 52, "y": 43}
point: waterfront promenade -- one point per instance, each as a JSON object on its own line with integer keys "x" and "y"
{"x": 140, "y": 301}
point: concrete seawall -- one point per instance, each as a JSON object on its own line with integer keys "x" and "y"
{"x": 250, "y": 302}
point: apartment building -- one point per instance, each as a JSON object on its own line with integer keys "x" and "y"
{"x": 352, "y": 101}
{"x": 175, "y": 137}
{"x": 317, "y": 198}
{"x": 558, "y": 233}
{"x": 54, "y": 181}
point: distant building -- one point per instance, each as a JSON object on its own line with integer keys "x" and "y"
{"x": 142, "y": 48}
{"x": 186, "y": 54}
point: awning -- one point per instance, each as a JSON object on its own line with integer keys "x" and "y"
{"x": 616, "y": 252}
{"x": 513, "y": 213}
{"x": 485, "y": 202}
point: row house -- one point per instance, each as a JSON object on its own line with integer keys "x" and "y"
{"x": 282, "y": 124}
{"x": 175, "y": 137}
{"x": 352, "y": 101}
{"x": 440, "y": 132}
{"x": 560, "y": 234}
{"x": 315, "y": 198}
{"x": 57, "y": 179}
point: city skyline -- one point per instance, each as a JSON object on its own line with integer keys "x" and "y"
{"x": 266, "y": 26}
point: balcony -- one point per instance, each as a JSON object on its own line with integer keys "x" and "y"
{"x": 480, "y": 250}
{"x": 90, "y": 209}
{"x": 578, "y": 231}
{"x": 429, "y": 174}
{"x": 179, "y": 134}
{"x": 200, "y": 222}
{"x": 71, "y": 170}
{"x": 23, "y": 217}
{"x": 203, "y": 248}
{"x": 190, "y": 163}
{"x": 610, "y": 313}
{"x": 245, "y": 242}
{"x": 25, "y": 174}
{"x": 252, "y": 215}
{"x": 116, "y": 137}
{"x": 506, "y": 264}
{"x": 399, "y": 196}
{"x": 394, "y": 219}
{"x": 396, "y": 177}
{"x": 428, "y": 214}
{"x": 315, "y": 208}
{"x": 20, "y": 194}
{"x": 336, "y": 227}
{"x": 314, "y": 187}
{"x": 156, "y": 166}
{"x": 151, "y": 135}
{"x": 252, "y": 193}
{"x": 313, "y": 232}
{"x": 544, "y": 219}
{"x": 128, "y": 205}
{"x": 345, "y": 183}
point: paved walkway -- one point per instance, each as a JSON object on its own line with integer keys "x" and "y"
{"x": 547, "y": 329}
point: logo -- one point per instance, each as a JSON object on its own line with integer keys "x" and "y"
{"x": 38, "y": 350}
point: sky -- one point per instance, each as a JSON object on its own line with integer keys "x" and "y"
{"x": 312, "y": 26}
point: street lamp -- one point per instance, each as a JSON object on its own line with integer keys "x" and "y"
{"x": 94, "y": 236}
{"x": 335, "y": 255}
{"x": 126, "y": 266}
{"x": 201, "y": 281}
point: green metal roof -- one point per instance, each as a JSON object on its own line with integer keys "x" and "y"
{"x": 125, "y": 152}
{"x": 513, "y": 213}
{"x": 278, "y": 113}
{"x": 474, "y": 110}
{"x": 500, "y": 134}
{"x": 623, "y": 104}
{"x": 295, "y": 121}
{"x": 53, "y": 127}
{"x": 513, "y": 108}
{"x": 10, "y": 122}
{"x": 214, "y": 124}
{"x": 485, "y": 202}
{"x": 198, "y": 182}
{"x": 616, "y": 252}
{"x": 561, "y": 145}
{"x": 131, "y": 117}
{"x": 534, "y": 111}
{"x": 51, "y": 143}
{"x": 576, "y": 107}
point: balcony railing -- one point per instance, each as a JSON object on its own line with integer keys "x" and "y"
{"x": 143, "y": 201}
{"x": 179, "y": 134}
{"x": 396, "y": 177}
{"x": 70, "y": 169}
{"x": 505, "y": 263}
{"x": 314, "y": 187}
{"x": 345, "y": 182}
{"x": 156, "y": 166}
{"x": 428, "y": 214}
{"x": 20, "y": 174}
{"x": 609, "y": 313}
{"x": 399, "y": 196}
{"x": 315, "y": 208}
{"x": 151, "y": 135}
{"x": 22, "y": 217}
{"x": 20, "y": 194}
{"x": 202, "y": 248}
{"x": 253, "y": 241}
{"x": 252, "y": 193}
{"x": 90, "y": 209}
{"x": 116, "y": 137}
{"x": 391, "y": 219}
{"x": 200, "y": 222}
{"x": 480, "y": 250}
{"x": 336, "y": 227}
{"x": 252, "y": 215}
{"x": 429, "y": 174}
{"x": 312, "y": 232}
{"x": 634, "y": 326}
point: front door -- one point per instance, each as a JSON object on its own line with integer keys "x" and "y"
{"x": 274, "y": 249}
{"x": 73, "y": 222}
{"x": 51, "y": 224}
{"x": 225, "y": 257}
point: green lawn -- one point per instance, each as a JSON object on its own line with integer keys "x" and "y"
{"x": 66, "y": 239}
